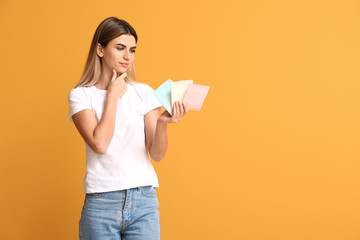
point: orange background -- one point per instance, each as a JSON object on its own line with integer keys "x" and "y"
{"x": 272, "y": 155}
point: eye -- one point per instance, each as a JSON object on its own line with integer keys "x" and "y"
{"x": 133, "y": 51}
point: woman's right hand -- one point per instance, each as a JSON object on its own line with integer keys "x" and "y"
{"x": 117, "y": 86}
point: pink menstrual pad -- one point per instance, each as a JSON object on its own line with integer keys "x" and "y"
{"x": 195, "y": 96}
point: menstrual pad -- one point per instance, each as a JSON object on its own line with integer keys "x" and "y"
{"x": 178, "y": 90}
{"x": 163, "y": 94}
{"x": 195, "y": 96}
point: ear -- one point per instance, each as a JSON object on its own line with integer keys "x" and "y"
{"x": 100, "y": 50}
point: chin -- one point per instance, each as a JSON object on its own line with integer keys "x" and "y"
{"x": 121, "y": 70}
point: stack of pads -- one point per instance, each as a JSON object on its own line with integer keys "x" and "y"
{"x": 193, "y": 95}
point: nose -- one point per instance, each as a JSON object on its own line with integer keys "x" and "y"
{"x": 126, "y": 55}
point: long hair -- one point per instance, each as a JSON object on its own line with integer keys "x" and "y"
{"x": 107, "y": 30}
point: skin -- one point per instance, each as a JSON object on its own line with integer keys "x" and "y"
{"x": 98, "y": 135}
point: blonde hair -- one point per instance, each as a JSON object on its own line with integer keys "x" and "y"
{"x": 107, "y": 30}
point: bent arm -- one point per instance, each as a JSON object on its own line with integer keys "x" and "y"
{"x": 156, "y": 129}
{"x": 97, "y": 135}
{"x": 156, "y": 135}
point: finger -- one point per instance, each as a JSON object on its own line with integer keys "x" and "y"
{"x": 174, "y": 111}
{"x": 123, "y": 75}
{"x": 177, "y": 109}
{"x": 181, "y": 108}
{"x": 185, "y": 107}
{"x": 114, "y": 75}
{"x": 183, "y": 112}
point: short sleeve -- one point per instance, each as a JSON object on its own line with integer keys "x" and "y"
{"x": 77, "y": 100}
{"x": 151, "y": 101}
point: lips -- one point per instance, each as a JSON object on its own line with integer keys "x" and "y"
{"x": 124, "y": 64}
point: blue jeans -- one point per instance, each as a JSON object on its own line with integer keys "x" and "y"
{"x": 130, "y": 214}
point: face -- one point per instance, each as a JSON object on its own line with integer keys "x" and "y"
{"x": 118, "y": 54}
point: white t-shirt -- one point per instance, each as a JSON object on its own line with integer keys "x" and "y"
{"x": 126, "y": 164}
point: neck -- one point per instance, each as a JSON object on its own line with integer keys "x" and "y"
{"x": 105, "y": 78}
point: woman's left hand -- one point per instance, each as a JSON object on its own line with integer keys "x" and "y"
{"x": 178, "y": 111}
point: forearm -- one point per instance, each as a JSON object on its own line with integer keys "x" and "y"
{"x": 104, "y": 131}
{"x": 160, "y": 142}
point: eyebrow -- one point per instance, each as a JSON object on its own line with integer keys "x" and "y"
{"x": 124, "y": 45}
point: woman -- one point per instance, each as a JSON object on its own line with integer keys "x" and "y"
{"x": 118, "y": 118}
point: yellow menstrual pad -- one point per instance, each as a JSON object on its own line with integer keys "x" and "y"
{"x": 178, "y": 90}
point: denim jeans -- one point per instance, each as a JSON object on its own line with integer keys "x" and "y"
{"x": 130, "y": 214}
